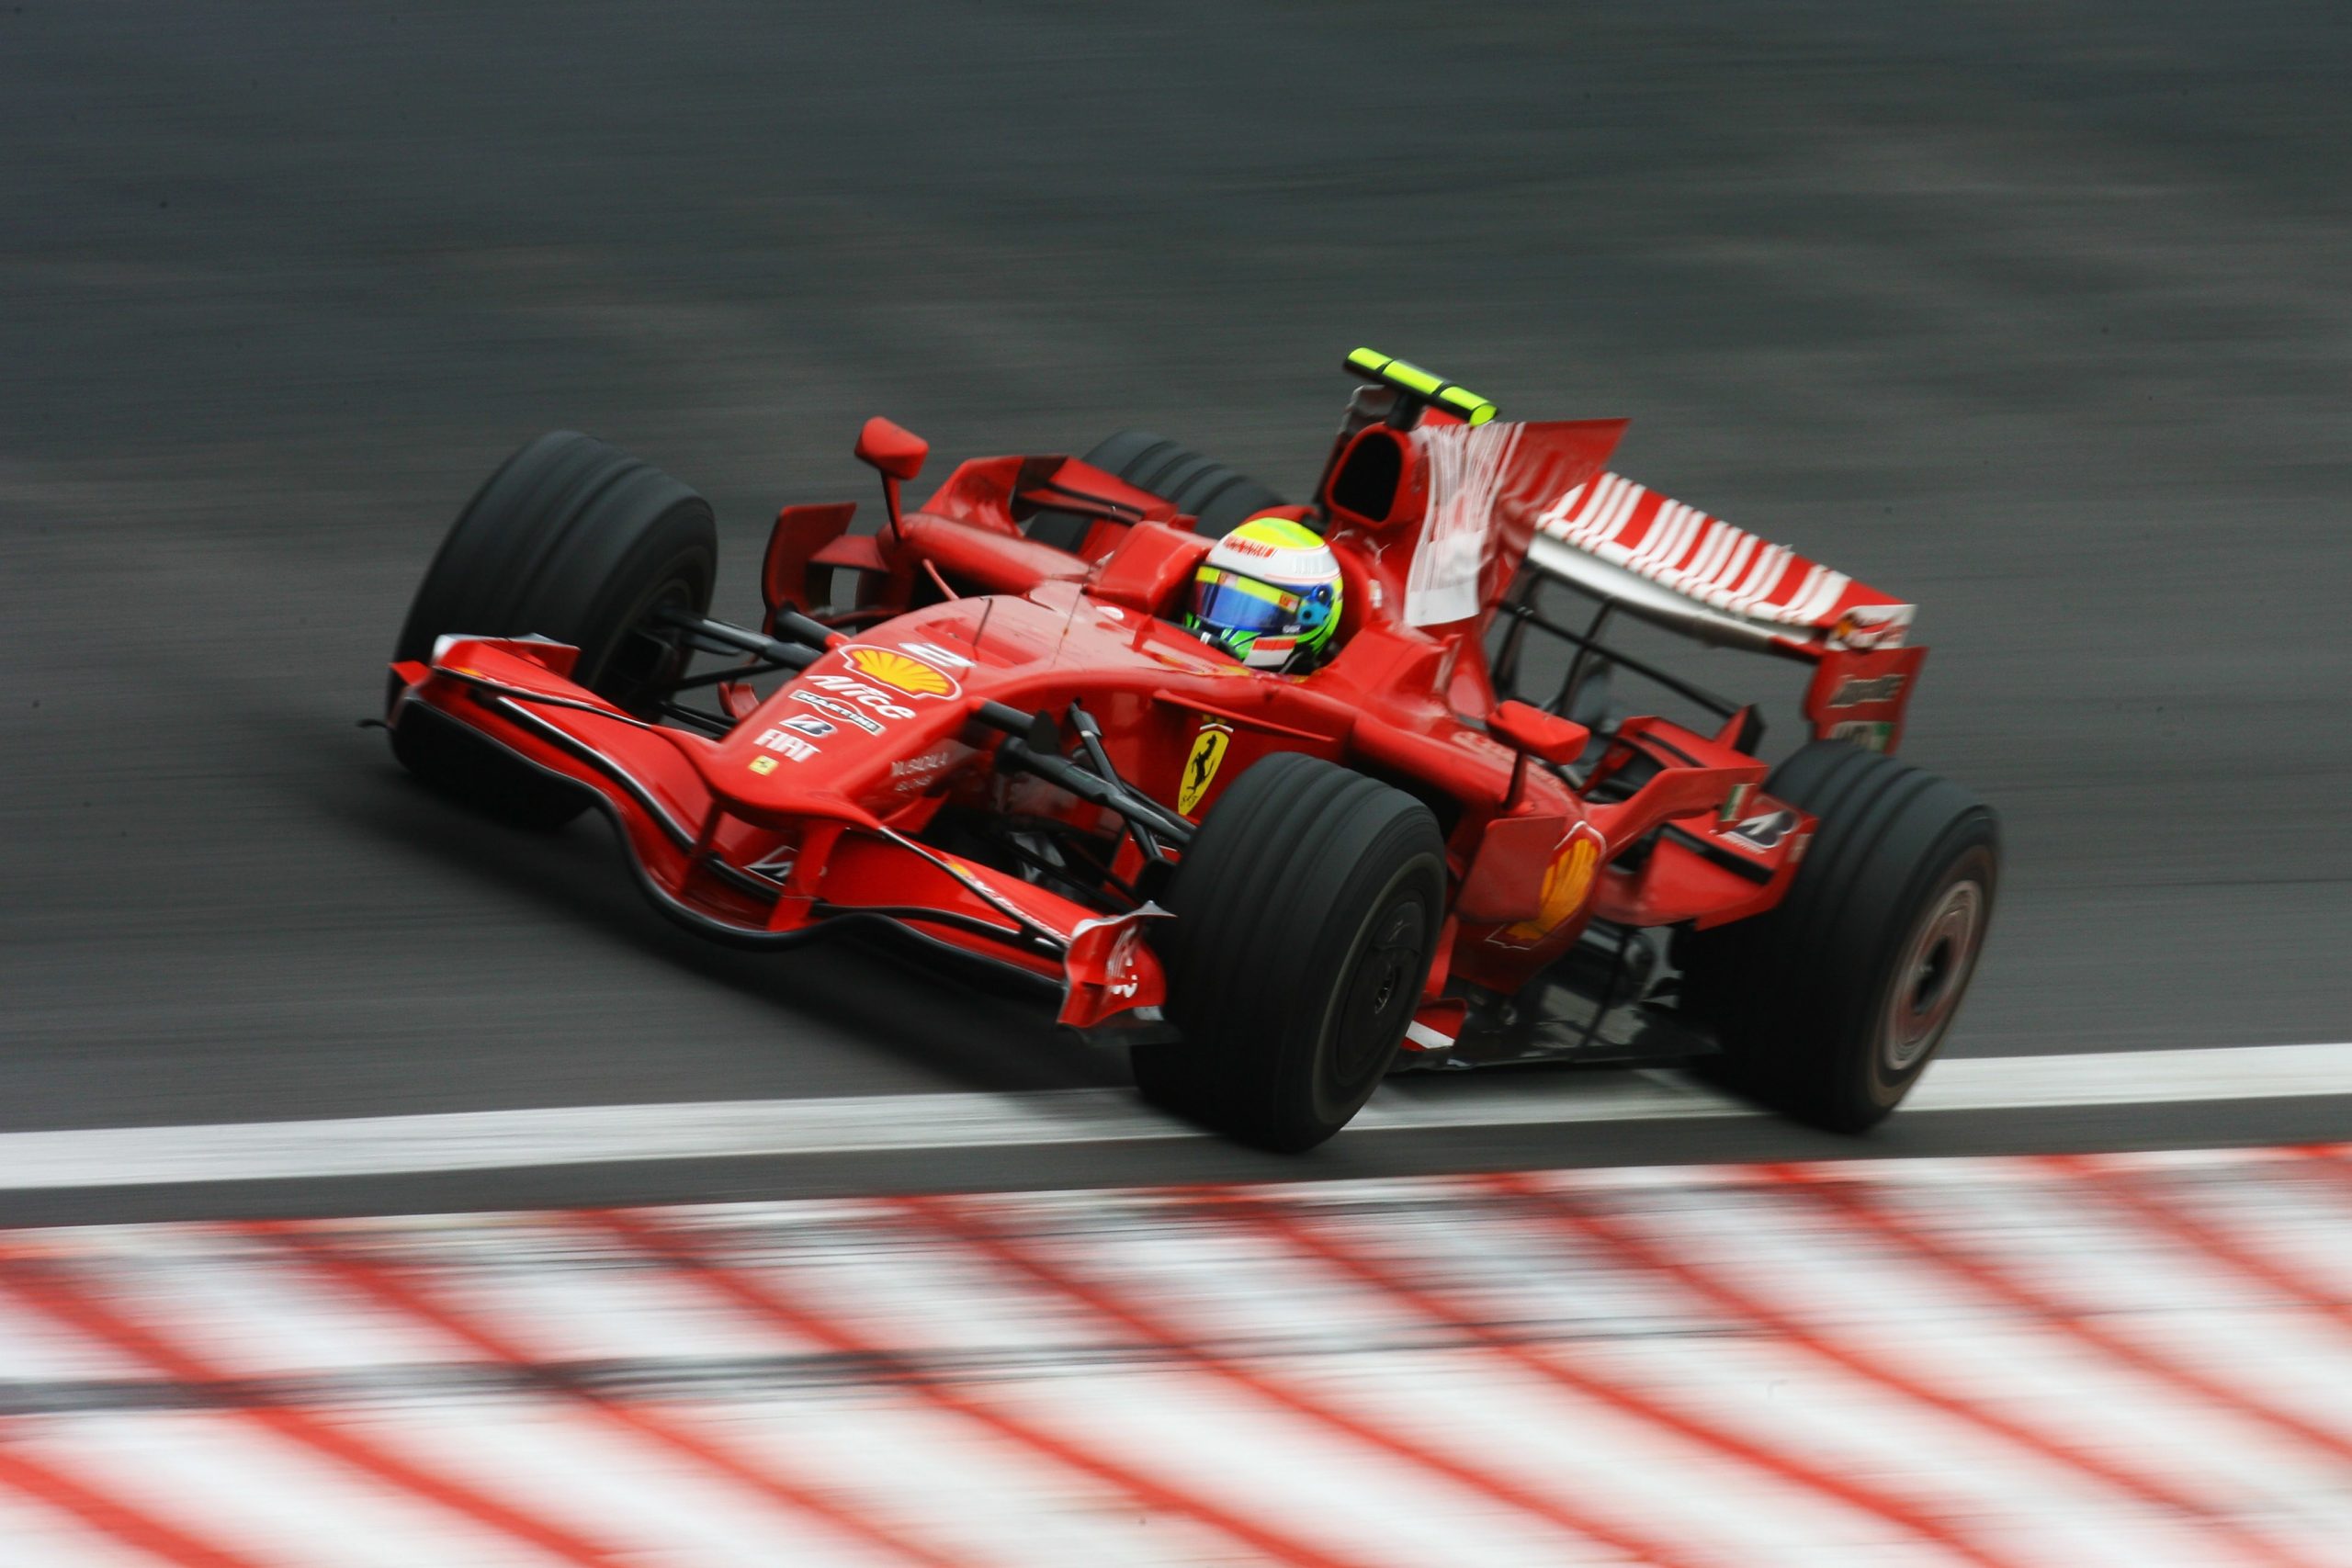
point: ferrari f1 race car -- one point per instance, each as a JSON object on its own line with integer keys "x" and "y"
{"x": 1011, "y": 731}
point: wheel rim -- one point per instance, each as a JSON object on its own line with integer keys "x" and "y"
{"x": 1380, "y": 991}
{"x": 1931, "y": 976}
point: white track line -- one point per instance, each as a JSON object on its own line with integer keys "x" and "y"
{"x": 596, "y": 1134}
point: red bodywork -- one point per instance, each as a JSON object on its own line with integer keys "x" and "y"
{"x": 811, "y": 810}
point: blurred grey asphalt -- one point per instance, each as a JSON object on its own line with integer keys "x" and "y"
{"x": 2040, "y": 315}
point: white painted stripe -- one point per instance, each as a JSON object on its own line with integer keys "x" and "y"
{"x": 1596, "y": 501}
{"x": 1677, "y": 523}
{"x": 1655, "y": 539}
{"x": 1612, "y": 517}
{"x": 1716, "y": 590}
{"x": 1718, "y": 543}
{"x": 1812, "y": 607}
{"x": 1555, "y": 519}
{"x": 591, "y": 1134}
{"x": 1737, "y": 581}
{"x": 1803, "y": 591}
{"x": 1772, "y": 563}
{"x": 1696, "y": 524}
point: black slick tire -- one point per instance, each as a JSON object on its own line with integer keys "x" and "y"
{"x": 1307, "y": 910}
{"x": 1221, "y": 497}
{"x": 1830, "y": 1006}
{"x": 570, "y": 539}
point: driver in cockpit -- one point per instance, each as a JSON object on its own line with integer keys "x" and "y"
{"x": 1268, "y": 594}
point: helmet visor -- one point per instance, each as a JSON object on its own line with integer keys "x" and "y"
{"x": 1232, "y": 602}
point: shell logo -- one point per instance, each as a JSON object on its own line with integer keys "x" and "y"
{"x": 1565, "y": 882}
{"x": 901, "y": 672}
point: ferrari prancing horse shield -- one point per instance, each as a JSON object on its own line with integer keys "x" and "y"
{"x": 1200, "y": 767}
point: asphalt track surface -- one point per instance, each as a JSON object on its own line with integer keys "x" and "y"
{"x": 2037, "y": 315}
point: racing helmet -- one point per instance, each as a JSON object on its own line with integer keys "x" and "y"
{"x": 1268, "y": 594}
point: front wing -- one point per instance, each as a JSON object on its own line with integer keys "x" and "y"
{"x": 779, "y": 879}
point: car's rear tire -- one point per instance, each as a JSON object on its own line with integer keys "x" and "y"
{"x": 1222, "y": 498}
{"x": 1831, "y": 1007}
{"x": 570, "y": 539}
{"x": 1306, "y": 908}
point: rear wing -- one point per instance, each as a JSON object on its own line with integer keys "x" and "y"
{"x": 1617, "y": 540}
{"x": 1425, "y": 464}
{"x": 1690, "y": 572}
{"x": 1633, "y": 549}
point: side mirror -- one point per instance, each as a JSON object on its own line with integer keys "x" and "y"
{"x": 1535, "y": 733}
{"x": 897, "y": 452}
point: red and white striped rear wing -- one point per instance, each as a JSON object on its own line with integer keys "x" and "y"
{"x": 1675, "y": 566}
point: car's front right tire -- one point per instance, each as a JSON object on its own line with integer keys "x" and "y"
{"x": 570, "y": 539}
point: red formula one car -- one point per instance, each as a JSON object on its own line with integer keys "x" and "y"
{"x": 985, "y": 730}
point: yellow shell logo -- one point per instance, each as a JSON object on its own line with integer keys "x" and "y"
{"x": 901, "y": 672}
{"x": 1565, "y": 882}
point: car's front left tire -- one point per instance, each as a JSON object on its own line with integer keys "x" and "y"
{"x": 1307, "y": 910}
